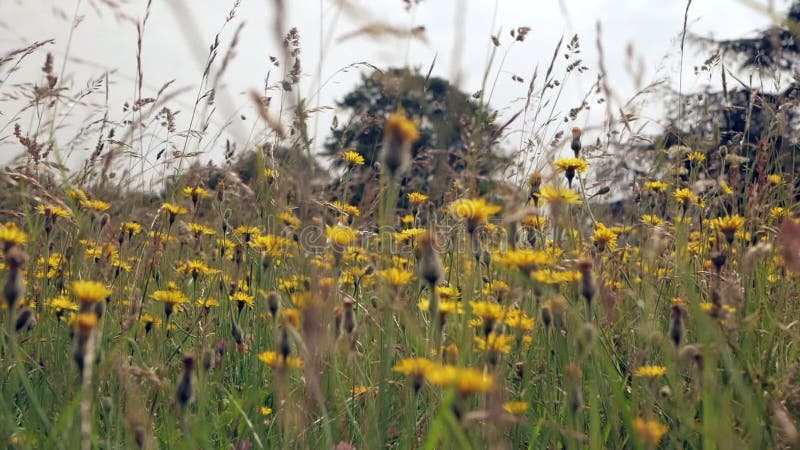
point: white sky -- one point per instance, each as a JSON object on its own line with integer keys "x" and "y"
{"x": 172, "y": 51}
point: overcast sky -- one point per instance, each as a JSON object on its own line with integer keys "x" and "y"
{"x": 177, "y": 37}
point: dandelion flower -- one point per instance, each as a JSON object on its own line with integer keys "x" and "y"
{"x": 650, "y": 372}
{"x": 649, "y": 431}
{"x": 353, "y": 158}
{"x": 90, "y": 291}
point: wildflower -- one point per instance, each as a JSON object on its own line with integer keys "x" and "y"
{"x": 555, "y": 277}
{"x": 198, "y": 230}
{"x": 242, "y": 299}
{"x": 276, "y": 361}
{"x": 779, "y": 213}
{"x": 340, "y": 235}
{"x": 270, "y": 174}
{"x": 489, "y": 312}
{"x": 497, "y": 288}
{"x": 775, "y": 179}
{"x": 396, "y": 277}
{"x": 467, "y": 381}
{"x": 684, "y": 196}
{"x": 95, "y": 205}
{"x": 50, "y": 210}
{"x": 656, "y": 186}
{"x": 652, "y": 219}
{"x": 150, "y": 321}
{"x": 571, "y": 166}
{"x": 85, "y": 322}
{"x": 353, "y": 158}
{"x": 90, "y": 291}
{"x": 11, "y": 235}
{"x": 650, "y": 372}
{"x": 62, "y": 303}
{"x": 415, "y": 369}
{"x": 246, "y": 232}
{"x": 207, "y": 303}
{"x": 265, "y": 411}
{"x": 475, "y": 211}
{"x": 649, "y": 431}
{"x": 170, "y": 298}
{"x": 417, "y": 198}
{"x": 524, "y": 260}
{"x": 289, "y": 219}
{"x": 559, "y": 195}
{"x": 697, "y": 157}
{"x": 173, "y": 210}
{"x": 195, "y": 193}
{"x": 517, "y": 319}
{"x": 516, "y": 408}
{"x": 729, "y": 226}
{"x": 495, "y": 343}
{"x": 603, "y": 237}
{"x": 130, "y": 228}
{"x": 195, "y": 268}
{"x": 399, "y": 134}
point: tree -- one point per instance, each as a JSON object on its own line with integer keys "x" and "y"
{"x": 458, "y": 138}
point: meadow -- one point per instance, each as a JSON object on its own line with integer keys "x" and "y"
{"x": 261, "y": 302}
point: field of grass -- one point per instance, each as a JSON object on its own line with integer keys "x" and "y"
{"x": 244, "y": 306}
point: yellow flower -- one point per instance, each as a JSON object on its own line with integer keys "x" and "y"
{"x": 534, "y": 222}
{"x": 603, "y": 237}
{"x": 348, "y": 210}
{"x": 195, "y": 268}
{"x": 648, "y": 431}
{"x": 195, "y": 193}
{"x": 729, "y": 225}
{"x": 413, "y": 367}
{"x": 652, "y": 219}
{"x": 62, "y": 303}
{"x": 396, "y": 277}
{"x": 53, "y": 210}
{"x": 495, "y": 343}
{"x": 341, "y": 235}
{"x": 276, "y": 361}
{"x": 475, "y": 211}
{"x": 779, "y": 213}
{"x": 207, "y": 302}
{"x": 173, "y": 209}
{"x": 570, "y": 166}
{"x": 270, "y": 174}
{"x": 556, "y": 277}
{"x": 775, "y": 179}
{"x": 417, "y": 198}
{"x": 524, "y": 260}
{"x": 86, "y": 322}
{"x": 650, "y": 372}
{"x": 559, "y": 195}
{"x": 289, "y": 219}
{"x": 130, "y": 228}
{"x": 198, "y": 229}
{"x": 516, "y": 408}
{"x": 95, "y": 205}
{"x": 399, "y": 127}
{"x": 696, "y": 157}
{"x": 10, "y": 235}
{"x": 170, "y": 297}
{"x": 684, "y": 196}
{"x": 472, "y": 381}
{"x": 265, "y": 411}
{"x": 656, "y": 186}
{"x": 242, "y": 299}
{"x": 353, "y": 158}
{"x": 150, "y": 321}
{"x": 90, "y": 291}
{"x": 487, "y": 311}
